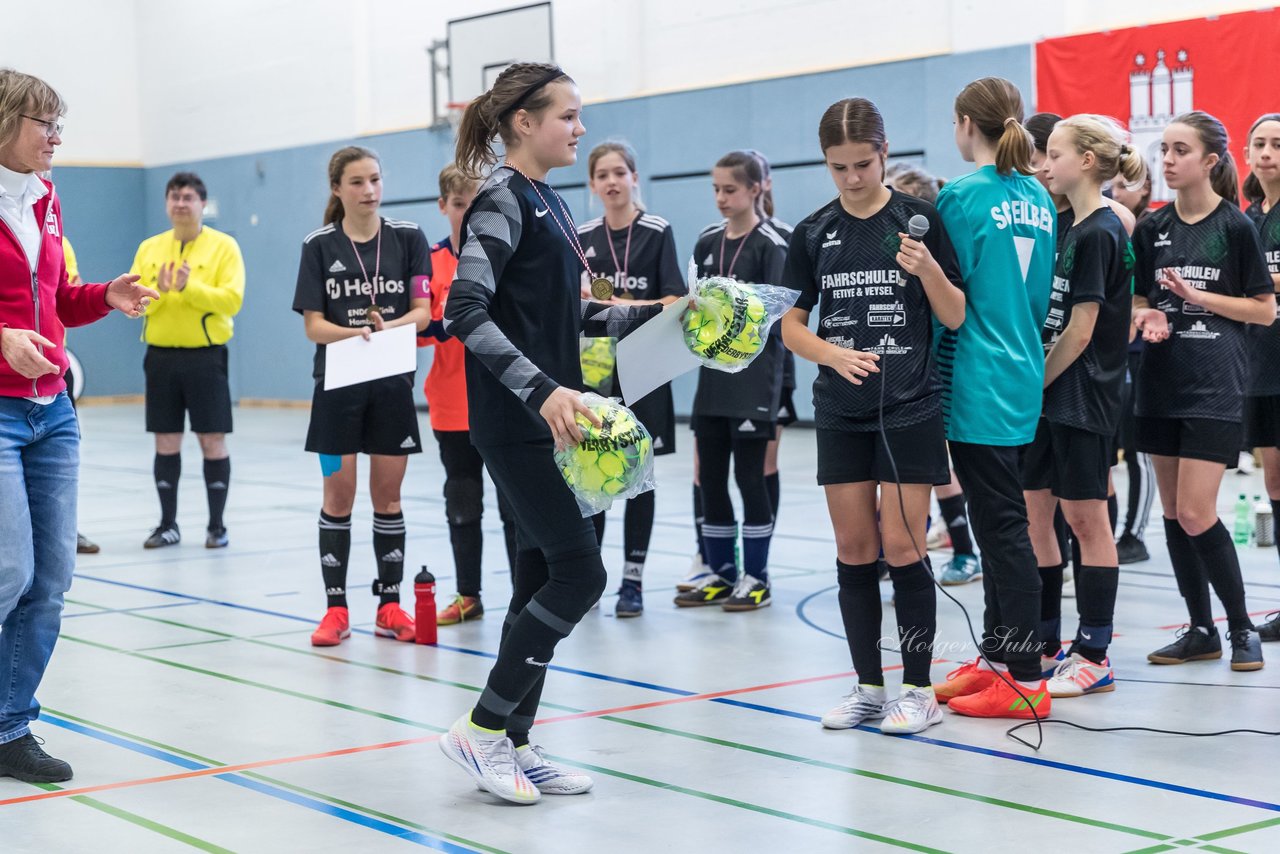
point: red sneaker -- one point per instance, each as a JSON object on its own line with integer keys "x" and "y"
{"x": 333, "y": 629}
{"x": 393, "y": 622}
{"x": 999, "y": 700}
{"x": 964, "y": 680}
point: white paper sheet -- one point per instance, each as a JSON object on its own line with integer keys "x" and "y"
{"x": 654, "y": 354}
{"x": 385, "y": 354}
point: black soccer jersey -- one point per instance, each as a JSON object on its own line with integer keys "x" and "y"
{"x": 758, "y": 257}
{"x": 1201, "y": 370}
{"x": 1095, "y": 264}
{"x": 647, "y": 269}
{"x": 847, "y": 267}
{"x": 1066, "y": 218}
{"x": 1264, "y": 341}
{"x": 330, "y": 278}
{"x": 516, "y": 304}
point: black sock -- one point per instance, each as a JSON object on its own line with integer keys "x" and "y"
{"x": 1076, "y": 559}
{"x": 1063, "y": 532}
{"x": 1218, "y": 555}
{"x": 637, "y": 528}
{"x": 698, "y": 517}
{"x": 1113, "y": 512}
{"x": 772, "y": 484}
{"x": 860, "y": 610}
{"x": 598, "y": 521}
{"x": 388, "y": 548}
{"x": 335, "y": 550}
{"x": 1096, "y": 602}
{"x": 916, "y": 604}
{"x": 1051, "y": 609}
{"x": 217, "y": 479}
{"x": 1275, "y": 520}
{"x": 167, "y": 470}
{"x": 1193, "y": 582}
{"x": 957, "y": 521}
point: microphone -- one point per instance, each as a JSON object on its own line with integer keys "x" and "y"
{"x": 917, "y": 227}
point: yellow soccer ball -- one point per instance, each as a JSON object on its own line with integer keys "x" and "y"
{"x": 611, "y": 458}
{"x": 728, "y": 324}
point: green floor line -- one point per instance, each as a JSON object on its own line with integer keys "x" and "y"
{"x": 181, "y": 645}
{"x": 1027, "y": 808}
{"x": 320, "y": 796}
{"x": 139, "y": 821}
{"x": 720, "y": 799}
{"x": 1218, "y": 850}
{"x": 1235, "y": 831}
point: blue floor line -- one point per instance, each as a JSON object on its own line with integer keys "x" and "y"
{"x": 347, "y": 815}
{"x": 985, "y": 751}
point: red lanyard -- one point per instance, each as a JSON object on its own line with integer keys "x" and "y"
{"x": 723, "y": 239}
{"x": 572, "y": 234}
{"x": 626, "y": 253}
{"x": 377, "y": 264}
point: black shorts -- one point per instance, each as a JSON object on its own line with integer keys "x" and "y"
{"x": 1081, "y": 462}
{"x": 377, "y": 417}
{"x": 187, "y": 379}
{"x": 1191, "y": 438}
{"x": 787, "y": 408}
{"x": 657, "y": 413}
{"x": 724, "y": 427}
{"x": 1036, "y": 460}
{"x": 1262, "y": 421}
{"x": 920, "y": 452}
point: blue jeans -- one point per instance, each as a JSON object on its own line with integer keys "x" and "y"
{"x": 39, "y": 472}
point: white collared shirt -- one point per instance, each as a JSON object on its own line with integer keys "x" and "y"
{"x": 18, "y": 196}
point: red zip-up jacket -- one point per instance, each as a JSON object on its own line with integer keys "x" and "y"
{"x": 43, "y": 301}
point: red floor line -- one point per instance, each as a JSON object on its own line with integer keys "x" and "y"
{"x": 1216, "y": 619}
{"x": 346, "y": 751}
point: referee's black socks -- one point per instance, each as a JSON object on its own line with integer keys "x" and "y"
{"x": 217, "y": 479}
{"x": 335, "y": 550}
{"x": 388, "y": 548}
{"x": 167, "y": 470}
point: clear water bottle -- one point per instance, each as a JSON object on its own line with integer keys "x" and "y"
{"x": 1243, "y": 524}
{"x": 1264, "y": 523}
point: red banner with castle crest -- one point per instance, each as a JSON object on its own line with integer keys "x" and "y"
{"x": 1144, "y": 76}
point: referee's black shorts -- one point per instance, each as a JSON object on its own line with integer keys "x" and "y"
{"x": 183, "y": 380}
{"x": 375, "y": 417}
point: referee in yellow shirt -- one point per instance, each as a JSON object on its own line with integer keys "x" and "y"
{"x": 199, "y": 273}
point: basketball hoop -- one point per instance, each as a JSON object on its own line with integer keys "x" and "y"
{"x": 453, "y": 113}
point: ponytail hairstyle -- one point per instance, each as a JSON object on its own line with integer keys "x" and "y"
{"x": 338, "y": 164}
{"x": 520, "y": 86}
{"x": 994, "y": 105}
{"x": 623, "y": 149}
{"x": 1040, "y": 126}
{"x": 1253, "y": 191}
{"x": 1213, "y": 136}
{"x": 766, "y": 196}
{"x": 853, "y": 120}
{"x": 1115, "y": 155}
{"x": 745, "y": 168}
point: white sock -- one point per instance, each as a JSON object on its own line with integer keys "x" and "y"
{"x": 996, "y": 666}
{"x": 1030, "y": 686}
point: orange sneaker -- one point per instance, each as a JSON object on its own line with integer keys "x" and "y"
{"x": 333, "y": 629}
{"x": 999, "y": 700}
{"x": 964, "y": 680}
{"x": 393, "y": 622}
{"x": 461, "y": 609}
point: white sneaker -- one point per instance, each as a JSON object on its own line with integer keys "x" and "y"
{"x": 1246, "y": 465}
{"x": 1068, "y": 584}
{"x": 1077, "y": 676}
{"x": 914, "y": 711}
{"x": 698, "y": 573}
{"x": 549, "y": 778}
{"x": 863, "y": 703}
{"x": 491, "y": 761}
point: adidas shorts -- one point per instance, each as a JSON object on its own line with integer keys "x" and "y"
{"x": 657, "y": 413}
{"x": 377, "y": 417}
{"x": 920, "y": 452}
{"x": 726, "y": 427}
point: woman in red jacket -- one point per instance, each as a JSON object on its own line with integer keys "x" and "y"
{"x": 39, "y": 439}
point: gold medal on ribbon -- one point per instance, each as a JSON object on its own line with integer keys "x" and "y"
{"x": 602, "y": 288}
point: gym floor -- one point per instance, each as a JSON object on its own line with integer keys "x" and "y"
{"x": 186, "y": 695}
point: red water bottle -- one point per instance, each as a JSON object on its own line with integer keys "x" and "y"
{"x": 424, "y": 594}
